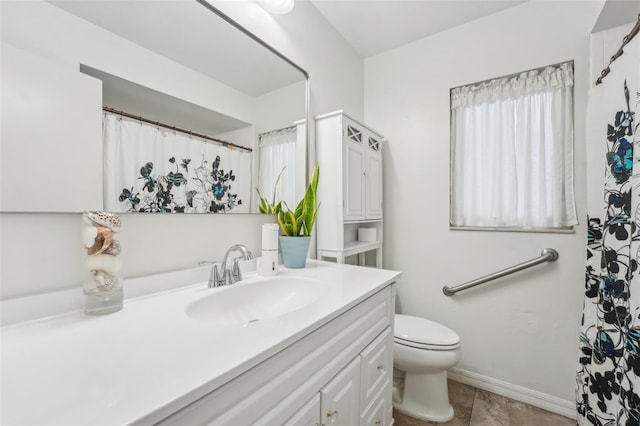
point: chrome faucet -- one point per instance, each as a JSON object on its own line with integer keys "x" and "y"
{"x": 229, "y": 275}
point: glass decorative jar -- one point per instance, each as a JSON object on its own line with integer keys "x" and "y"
{"x": 102, "y": 285}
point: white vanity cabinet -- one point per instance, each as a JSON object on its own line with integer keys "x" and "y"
{"x": 339, "y": 374}
{"x": 322, "y": 358}
{"x": 359, "y": 394}
{"x": 350, "y": 187}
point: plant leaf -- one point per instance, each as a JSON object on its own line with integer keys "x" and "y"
{"x": 291, "y": 218}
{"x": 275, "y": 185}
{"x": 284, "y": 226}
{"x": 272, "y": 208}
{"x": 309, "y": 201}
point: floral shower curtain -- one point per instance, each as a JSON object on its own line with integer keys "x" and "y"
{"x": 608, "y": 379}
{"x": 152, "y": 169}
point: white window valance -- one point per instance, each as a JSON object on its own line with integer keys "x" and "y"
{"x": 523, "y": 84}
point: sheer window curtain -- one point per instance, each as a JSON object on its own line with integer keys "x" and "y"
{"x": 512, "y": 151}
{"x": 277, "y": 150}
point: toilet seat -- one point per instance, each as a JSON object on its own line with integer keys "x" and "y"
{"x": 421, "y": 333}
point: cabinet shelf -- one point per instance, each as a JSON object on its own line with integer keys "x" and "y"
{"x": 355, "y": 247}
{"x": 352, "y": 248}
{"x": 364, "y": 221}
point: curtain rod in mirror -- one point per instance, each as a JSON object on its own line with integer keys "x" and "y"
{"x": 177, "y": 129}
{"x": 276, "y": 131}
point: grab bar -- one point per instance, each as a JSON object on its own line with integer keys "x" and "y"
{"x": 547, "y": 255}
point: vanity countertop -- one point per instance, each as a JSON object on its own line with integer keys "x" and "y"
{"x": 150, "y": 359}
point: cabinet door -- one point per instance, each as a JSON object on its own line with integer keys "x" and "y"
{"x": 309, "y": 415}
{"x": 340, "y": 398}
{"x": 354, "y": 176}
{"x": 373, "y": 180}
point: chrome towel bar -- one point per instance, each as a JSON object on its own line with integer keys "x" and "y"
{"x": 547, "y": 255}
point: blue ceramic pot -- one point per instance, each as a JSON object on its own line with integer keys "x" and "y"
{"x": 294, "y": 251}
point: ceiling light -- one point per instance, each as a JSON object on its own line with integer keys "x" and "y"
{"x": 279, "y": 7}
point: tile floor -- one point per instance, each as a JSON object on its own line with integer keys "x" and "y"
{"x": 475, "y": 407}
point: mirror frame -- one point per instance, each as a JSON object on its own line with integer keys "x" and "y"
{"x": 267, "y": 46}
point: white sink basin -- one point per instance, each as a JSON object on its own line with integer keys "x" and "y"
{"x": 256, "y": 300}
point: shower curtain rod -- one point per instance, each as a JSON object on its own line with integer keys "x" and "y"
{"x": 625, "y": 40}
{"x": 177, "y": 129}
{"x": 273, "y": 132}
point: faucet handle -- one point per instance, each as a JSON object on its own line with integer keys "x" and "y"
{"x": 216, "y": 280}
{"x": 236, "y": 274}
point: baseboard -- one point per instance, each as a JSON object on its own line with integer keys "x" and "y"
{"x": 518, "y": 393}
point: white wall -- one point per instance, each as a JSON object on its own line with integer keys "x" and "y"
{"x": 42, "y": 252}
{"x": 522, "y": 330}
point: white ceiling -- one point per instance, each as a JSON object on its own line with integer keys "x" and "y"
{"x": 616, "y": 13}
{"x": 374, "y": 26}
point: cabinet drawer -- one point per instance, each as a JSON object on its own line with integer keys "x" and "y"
{"x": 377, "y": 366}
{"x": 309, "y": 415}
{"x": 375, "y": 414}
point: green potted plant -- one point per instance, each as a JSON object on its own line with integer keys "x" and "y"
{"x": 296, "y": 225}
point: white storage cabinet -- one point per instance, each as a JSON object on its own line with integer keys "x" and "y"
{"x": 350, "y": 187}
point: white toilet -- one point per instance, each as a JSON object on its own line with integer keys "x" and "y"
{"x": 423, "y": 350}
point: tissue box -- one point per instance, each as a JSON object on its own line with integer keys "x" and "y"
{"x": 367, "y": 234}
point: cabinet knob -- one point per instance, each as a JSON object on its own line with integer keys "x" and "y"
{"x": 333, "y": 415}
{"x": 378, "y": 422}
{"x": 380, "y": 367}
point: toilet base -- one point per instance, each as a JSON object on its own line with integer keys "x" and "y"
{"x": 426, "y": 397}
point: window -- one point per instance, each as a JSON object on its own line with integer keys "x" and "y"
{"x": 512, "y": 152}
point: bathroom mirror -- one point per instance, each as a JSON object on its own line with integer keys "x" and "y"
{"x": 144, "y": 105}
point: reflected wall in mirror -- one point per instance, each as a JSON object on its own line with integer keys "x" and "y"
{"x": 144, "y": 106}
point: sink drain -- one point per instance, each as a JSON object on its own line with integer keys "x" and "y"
{"x": 250, "y": 321}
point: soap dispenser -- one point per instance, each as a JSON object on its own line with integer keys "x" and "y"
{"x": 268, "y": 264}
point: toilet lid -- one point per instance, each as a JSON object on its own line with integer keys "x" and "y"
{"x": 423, "y": 333}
